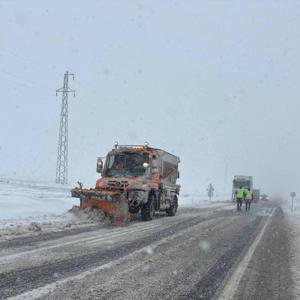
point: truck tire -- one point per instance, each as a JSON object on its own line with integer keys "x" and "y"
{"x": 134, "y": 210}
{"x": 147, "y": 210}
{"x": 171, "y": 211}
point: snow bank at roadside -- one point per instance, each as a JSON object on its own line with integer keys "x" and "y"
{"x": 293, "y": 218}
{"x": 201, "y": 201}
{"x": 88, "y": 214}
{"x": 73, "y": 218}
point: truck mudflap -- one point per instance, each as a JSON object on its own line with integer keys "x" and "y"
{"x": 113, "y": 204}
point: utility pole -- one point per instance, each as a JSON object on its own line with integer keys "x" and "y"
{"x": 62, "y": 153}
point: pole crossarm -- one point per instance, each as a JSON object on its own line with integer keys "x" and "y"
{"x": 62, "y": 90}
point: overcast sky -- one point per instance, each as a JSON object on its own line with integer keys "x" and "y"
{"x": 214, "y": 82}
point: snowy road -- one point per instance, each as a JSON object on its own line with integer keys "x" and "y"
{"x": 199, "y": 254}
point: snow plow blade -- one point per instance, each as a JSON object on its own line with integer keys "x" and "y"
{"x": 112, "y": 203}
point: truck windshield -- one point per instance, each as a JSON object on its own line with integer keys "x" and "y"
{"x": 126, "y": 164}
{"x": 243, "y": 183}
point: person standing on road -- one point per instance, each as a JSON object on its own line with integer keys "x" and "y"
{"x": 239, "y": 195}
{"x": 210, "y": 191}
{"x": 248, "y": 199}
{"x": 244, "y": 196}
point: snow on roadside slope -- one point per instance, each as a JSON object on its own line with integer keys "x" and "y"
{"x": 30, "y": 207}
{"x": 293, "y": 219}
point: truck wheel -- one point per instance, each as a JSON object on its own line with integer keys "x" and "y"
{"x": 171, "y": 211}
{"x": 134, "y": 210}
{"x": 148, "y": 208}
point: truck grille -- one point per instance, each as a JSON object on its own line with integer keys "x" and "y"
{"x": 113, "y": 184}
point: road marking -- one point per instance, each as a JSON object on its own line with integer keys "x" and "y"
{"x": 231, "y": 287}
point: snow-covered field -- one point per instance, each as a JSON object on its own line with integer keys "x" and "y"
{"x": 25, "y": 199}
{"x": 29, "y": 207}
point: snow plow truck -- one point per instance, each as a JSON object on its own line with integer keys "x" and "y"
{"x": 134, "y": 179}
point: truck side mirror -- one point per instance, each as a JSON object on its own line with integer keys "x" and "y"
{"x": 178, "y": 174}
{"x": 99, "y": 167}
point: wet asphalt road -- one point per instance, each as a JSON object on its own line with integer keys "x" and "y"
{"x": 190, "y": 256}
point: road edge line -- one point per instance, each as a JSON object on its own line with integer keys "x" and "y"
{"x": 232, "y": 285}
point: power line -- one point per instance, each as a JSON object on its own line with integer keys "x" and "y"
{"x": 62, "y": 153}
